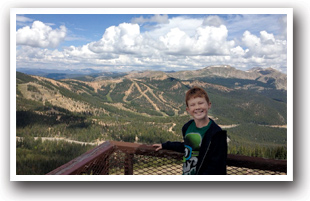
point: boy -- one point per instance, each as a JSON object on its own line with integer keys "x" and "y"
{"x": 205, "y": 144}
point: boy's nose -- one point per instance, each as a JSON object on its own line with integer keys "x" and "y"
{"x": 196, "y": 107}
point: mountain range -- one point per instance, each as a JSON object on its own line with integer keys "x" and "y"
{"x": 223, "y": 71}
{"x": 257, "y": 95}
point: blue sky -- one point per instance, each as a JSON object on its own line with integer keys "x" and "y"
{"x": 125, "y": 42}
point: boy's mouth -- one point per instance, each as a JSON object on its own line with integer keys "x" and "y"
{"x": 198, "y": 111}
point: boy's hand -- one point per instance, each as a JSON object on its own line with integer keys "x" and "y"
{"x": 159, "y": 147}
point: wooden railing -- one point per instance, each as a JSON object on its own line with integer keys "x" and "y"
{"x": 125, "y": 158}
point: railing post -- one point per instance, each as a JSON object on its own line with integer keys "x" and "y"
{"x": 128, "y": 164}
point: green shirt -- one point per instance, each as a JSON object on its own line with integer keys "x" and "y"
{"x": 192, "y": 142}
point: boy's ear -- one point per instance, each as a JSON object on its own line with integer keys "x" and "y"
{"x": 209, "y": 105}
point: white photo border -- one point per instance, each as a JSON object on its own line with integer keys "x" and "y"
{"x": 16, "y": 11}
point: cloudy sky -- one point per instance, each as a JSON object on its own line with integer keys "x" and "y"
{"x": 125, "y": 42}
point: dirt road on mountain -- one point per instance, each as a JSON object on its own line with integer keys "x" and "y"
{"x": 63, "y": 139}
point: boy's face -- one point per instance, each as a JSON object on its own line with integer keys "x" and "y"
{"x": 198, "y": 108}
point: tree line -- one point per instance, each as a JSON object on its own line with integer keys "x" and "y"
{"x": 37, "y": 157}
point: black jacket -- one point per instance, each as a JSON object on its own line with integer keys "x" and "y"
{"x": 213, "y": 151}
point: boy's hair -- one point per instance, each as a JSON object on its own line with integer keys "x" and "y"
{"x": 195, "y": 92}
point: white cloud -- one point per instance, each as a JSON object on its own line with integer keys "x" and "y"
{"x": 267, "y": 38}
{"x": 183, "y": 43}
{"x": 212, "y": 20}
{"x": 213, "y": 40}
{"x": 238, "y": 51}
{"x": 126, "y": 39}
{"x": 79, "y": 53}
{"x": 162, "y": 19}
{"x": 40, "y": 35}
{"x": 188, "y": 25}
{"x": 264, "y": 46}
{"x": 20, "y": 18}
{"x": 177, "y": 42}
{"x": 123, "y": 39}
{"x": 208, "y": 40}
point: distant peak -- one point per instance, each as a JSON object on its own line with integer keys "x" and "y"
{"x": 256, "y": 69}
{"x": 264, "y": 71}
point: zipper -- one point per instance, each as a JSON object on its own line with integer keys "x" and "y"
{"x": 203, "y": 158}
